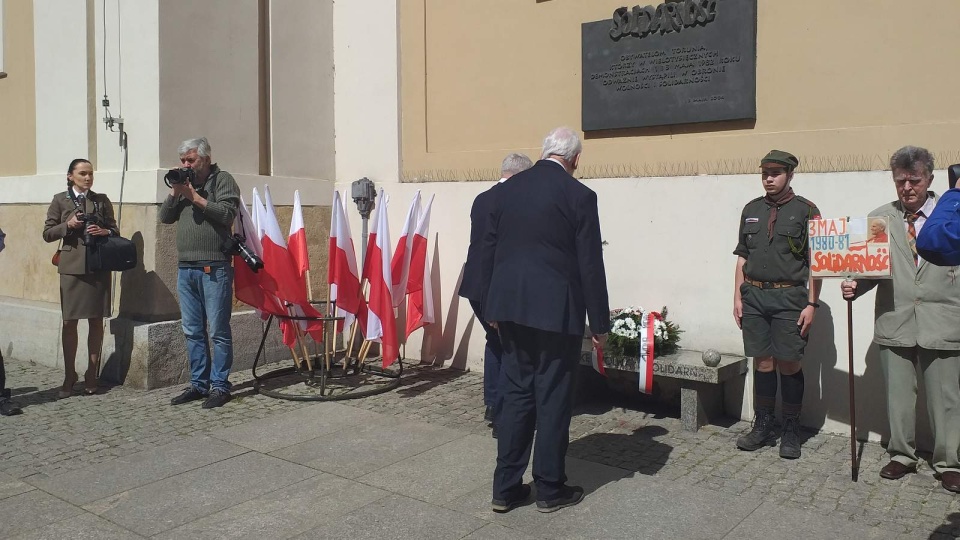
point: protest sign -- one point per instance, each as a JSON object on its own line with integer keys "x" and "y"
{"x": 849, "y": 247}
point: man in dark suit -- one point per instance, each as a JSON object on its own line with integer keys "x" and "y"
{"x": 470, "y": 284}
{"x": 542, "y": 272}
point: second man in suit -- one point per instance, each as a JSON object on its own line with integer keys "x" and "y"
{"x": 542, "y": 274}
{"x": 470, "y": 285}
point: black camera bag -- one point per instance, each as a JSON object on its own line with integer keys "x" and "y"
{"x": 112, "y": 253}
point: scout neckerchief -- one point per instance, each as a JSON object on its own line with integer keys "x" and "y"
{"x": 776, "y": 204}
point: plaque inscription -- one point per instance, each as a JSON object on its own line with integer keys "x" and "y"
{"x": 680, "y": 62}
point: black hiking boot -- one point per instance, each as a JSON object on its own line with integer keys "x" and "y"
{"x": 790, "y": 439}
{"x": 762, "y": 434}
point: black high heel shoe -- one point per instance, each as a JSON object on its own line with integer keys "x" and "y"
{"x": 67, "y": 389}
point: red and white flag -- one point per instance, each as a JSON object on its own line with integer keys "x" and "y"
{"x": 420, "y": 309}
{"x": 277, "y": 262}
{"x": 381, "y": 322}
{"x": 297, "y": 239}
{"x": 645, "y": 367}
{"x": 246, "y": 283}
{"x": 342, "y": 274}
{"x": 400, "y": 264}
{"x": 596, "y": 358}
{"x": 290, "y": 286}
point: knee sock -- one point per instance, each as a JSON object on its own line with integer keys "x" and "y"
{"x": 765, "y": 389}
{"x": 792, "y": 386}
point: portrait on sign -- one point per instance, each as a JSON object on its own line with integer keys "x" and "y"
{"x": 849, "y": 247}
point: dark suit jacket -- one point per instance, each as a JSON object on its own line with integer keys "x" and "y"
{"x": 470, "y": 285}
{"x": 73, "y": 254}
{"x": 542, "y": 260}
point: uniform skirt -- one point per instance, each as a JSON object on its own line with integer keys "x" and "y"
{"x": 85, "y": 296}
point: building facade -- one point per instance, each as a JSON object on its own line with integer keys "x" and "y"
{"x": 430, "y": 95}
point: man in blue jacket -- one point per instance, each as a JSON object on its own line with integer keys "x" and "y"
{"x": 939, "y": 239}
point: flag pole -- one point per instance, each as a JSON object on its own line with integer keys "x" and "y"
{"x": 327, "y": 339}
{"x": 353, "y": 334}
{"x": 310, "y": 287}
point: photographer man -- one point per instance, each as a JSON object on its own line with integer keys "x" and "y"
{"x": 203, "y": 201}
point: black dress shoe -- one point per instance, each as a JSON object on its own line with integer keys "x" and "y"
{"x": 501, "y": 506}
{"x": 218, "y": 398}
{"x": 950, "y": 480}
{"x": 8, "y": 407}
{"x": 569, "y": 496}
{"x": 896, "y": 470}
{"x": 188, "y": 395}
{"x": 488, "y": 414}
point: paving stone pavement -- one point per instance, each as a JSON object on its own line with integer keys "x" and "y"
{"x": 54, "y": 437}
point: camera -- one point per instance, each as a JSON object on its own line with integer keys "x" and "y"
{"x": 234, "y": 246}
{"x": 87, "y": 220}
{"x": 953, "y": 172}
{"x": 180, "y": 175}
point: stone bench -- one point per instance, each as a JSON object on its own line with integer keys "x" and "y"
{"x": 701, "y": 386}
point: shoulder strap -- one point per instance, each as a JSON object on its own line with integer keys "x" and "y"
{"x": 806, "y": 202}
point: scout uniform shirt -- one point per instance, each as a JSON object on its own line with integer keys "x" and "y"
{"x": 784, "y": 257}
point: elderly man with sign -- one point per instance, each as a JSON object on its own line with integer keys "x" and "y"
{"x": 772, "y": 302}
{"x": 916, "y": 323}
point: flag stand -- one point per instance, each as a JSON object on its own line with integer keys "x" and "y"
{"x": 329, "y": 381}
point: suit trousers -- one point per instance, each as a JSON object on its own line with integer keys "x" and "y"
{"x": 3, "y": 375}
{"x": 492, "y": 354}
{"x": 941, "y": 380}
{"x": 536, "y": 383}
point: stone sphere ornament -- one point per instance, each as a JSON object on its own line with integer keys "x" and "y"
{"x": 711, "y": 358}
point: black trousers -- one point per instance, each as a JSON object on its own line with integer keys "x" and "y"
{"x": 3, "y": 375}
{"x": 536, "y": 383}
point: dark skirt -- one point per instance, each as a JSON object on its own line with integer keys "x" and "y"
{"x": 85, "y": 296}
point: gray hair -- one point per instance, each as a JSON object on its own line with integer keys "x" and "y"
{"x": 909, "y": 158}
{"x": 513, "y": 164}
{"x": 563, "y": 142}
{"x": 201, "y": 145}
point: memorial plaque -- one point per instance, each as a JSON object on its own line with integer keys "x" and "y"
{"x": 677, "y": 63}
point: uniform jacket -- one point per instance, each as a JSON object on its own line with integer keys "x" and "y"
{"x": 73, "y": 253}
{"x": 919, "y": 306}
{"x": 542, "y": 259}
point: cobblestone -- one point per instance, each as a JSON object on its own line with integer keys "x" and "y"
{"x": 54, "y": 436}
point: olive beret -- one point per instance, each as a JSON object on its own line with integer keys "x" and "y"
{"x": 783, "y": 158}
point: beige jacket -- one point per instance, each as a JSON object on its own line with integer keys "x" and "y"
{"x": 919, "y": 306}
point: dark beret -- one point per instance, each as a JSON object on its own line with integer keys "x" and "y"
{"x": 786, "y": 159}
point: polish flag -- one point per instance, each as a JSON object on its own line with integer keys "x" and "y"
{"x": 290, "y": 287}
{"x": 400, "y": 265}
{"x": 420, "y": 310}
{"x": 297, "y": 239}
{"x": 247, "y": 284}
{"x": 277, "y": 261}
{"x": 381, "y": 323}
{"x": 342, "y": 274}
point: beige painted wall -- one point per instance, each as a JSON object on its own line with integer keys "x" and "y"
{"x": 18, "y": 150}
{"x": 209, "y": 59}
{"x": 842, "y": 86}
{"x": 301, "y": 90}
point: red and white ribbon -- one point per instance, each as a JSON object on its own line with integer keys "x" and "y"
{"x": 645, "y": 365}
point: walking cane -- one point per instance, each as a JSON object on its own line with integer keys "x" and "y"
{"x": 853, "y": 406}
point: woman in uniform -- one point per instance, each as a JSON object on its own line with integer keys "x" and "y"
{"x": 75, "y": 217}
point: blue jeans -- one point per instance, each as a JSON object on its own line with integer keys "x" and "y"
{"x": 207, "y": 299}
